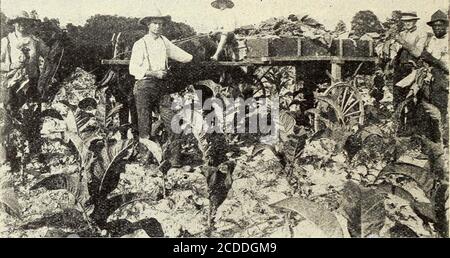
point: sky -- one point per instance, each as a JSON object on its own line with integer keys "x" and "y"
{"x": 197, "y": 13}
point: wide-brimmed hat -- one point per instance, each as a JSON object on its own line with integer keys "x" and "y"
{"x": 155, "y": 14}
{"x": 409, "y": 16}
{"x": 438, "y": 16}
{"x": 216, "y": 3}
{"x": 21, "y": 16}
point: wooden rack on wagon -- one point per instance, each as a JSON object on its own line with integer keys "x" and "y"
{"x": 312, "y": 61}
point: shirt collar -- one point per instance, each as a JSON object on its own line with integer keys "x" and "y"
{"x": 412, "y": 29}
{"x": 148, "y": 36}
{"x": 445, "y": 38}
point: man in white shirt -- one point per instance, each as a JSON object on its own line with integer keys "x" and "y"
{"x": 436, "y": 55}
{"x": 20, "y": 56}
{"x": 403, "y": 65}
{"x": 226, "y": 25}
{"x": 437, "y": 44}
{"x": 149, "y": 66}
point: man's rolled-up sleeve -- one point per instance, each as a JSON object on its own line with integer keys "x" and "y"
{"x": 137, "y": 69}
{"x": 178, "y": 54}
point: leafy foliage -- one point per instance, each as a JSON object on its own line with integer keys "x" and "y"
{"x": 71, "y": 218}
{"x": 219, "y": 181}
{"x": 92, "y": 41}
{"x": 101, "y": 161}
{"x": 91, "y": 133}
{"x": 340, "y": 27}
{"x": 365, "y": 22}
{"x": 4, "y": 28}
{"x": 73, "y": 183}
{"x": 364, "y": 208}
{"x": 421, "y": 176}
{"x": 394, "y": 22}
{"x": 290, "y": 142}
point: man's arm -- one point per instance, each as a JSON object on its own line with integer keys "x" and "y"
{"x": 412, "y": 49}
{"x": 425, "y": 55}
{"x": 177, "y": 53}
{"x": 220, "y": 46}
{"x": 226, "y": 31}
{"x": 430, "y": 59}
{"x": 421, "y": 42}
{"x": 136, "y": 62}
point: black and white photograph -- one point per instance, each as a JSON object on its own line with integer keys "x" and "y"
{"x": 224, "y": 119}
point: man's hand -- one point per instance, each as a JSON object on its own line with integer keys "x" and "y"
{"x": 20, "y": 63}
{"x": 400, "y": 40}
{"x": 215, "y": 58}
{"x": 161, "y": 74}
{"x": 413, "y": 50}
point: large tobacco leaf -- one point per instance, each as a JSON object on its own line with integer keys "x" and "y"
{"x": 75, "y": 183}
{"x": 8, "y": 199}
{"x": 107, "y": 207}
{"x": 364, "y": 209}
{"x": 316, "y": 213}
{"x": 423, "y": 177}
{"x": 109, "y": 163}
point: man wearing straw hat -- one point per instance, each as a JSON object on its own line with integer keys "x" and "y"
{"x": 20, "y": 57}
{"x": 20, "y": 53}
{"x": 226, "y": 26}
{"x": 405, "y": 61}
{"x": 149, "y": 66}
{"x": 410, "y": 35}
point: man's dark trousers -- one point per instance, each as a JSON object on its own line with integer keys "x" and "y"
{"x": 148, "y": 94}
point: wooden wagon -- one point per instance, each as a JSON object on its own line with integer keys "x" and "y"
{"x": 312, "y": 61}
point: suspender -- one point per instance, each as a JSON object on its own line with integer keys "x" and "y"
{"x": 148, "y": 55}
{"x": 167, "y": 53}
{"x": 8, "y": 51}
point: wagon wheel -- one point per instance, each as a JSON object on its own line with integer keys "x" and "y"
{"x": 343, "y": 104}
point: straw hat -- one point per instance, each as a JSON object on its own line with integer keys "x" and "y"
{"x": 216, "y": 3}
{"x": 155, "y": 13}
{"x": 409, "y": 16}
{"x": 21, "y": 16}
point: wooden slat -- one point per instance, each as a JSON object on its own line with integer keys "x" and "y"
{"x": 264, "y": 61}
{"x": 206, "y": 63}
{"x": 341, "y": 48}
{"x": 233, "y": 63}
{"x": 316, "y": 58}
{"x": 336, "y": 71}
{"x": 115, "y": 62}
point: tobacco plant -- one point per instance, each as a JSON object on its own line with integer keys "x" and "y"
{"x": 102, "y": 158}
